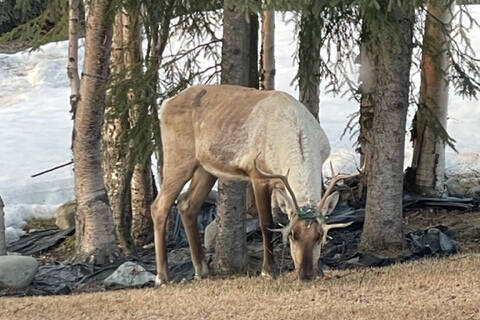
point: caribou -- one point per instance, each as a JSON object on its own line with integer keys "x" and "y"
{"x": 233, "y": 132}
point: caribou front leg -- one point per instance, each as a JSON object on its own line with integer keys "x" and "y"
{"x": 262, "y": 199}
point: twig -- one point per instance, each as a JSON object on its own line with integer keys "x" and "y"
{"x": 22, "y": 308}
{"x": 52, "y": 169}
{"x": 343, "y": 276}
{"x": 182, "y": 54}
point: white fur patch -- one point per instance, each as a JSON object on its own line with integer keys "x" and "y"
{"x": 291, "y": 140}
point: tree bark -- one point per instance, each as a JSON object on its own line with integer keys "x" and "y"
{"x": 117, "y": 157}
{"x": 94, "y": 224}
{"x": 428, "y": 161}
{"x": 267, "y": 65}
{"x": 3, "y": 242}
{"x": 391, "y": 55}
{"x": 254, "y": 82}
{"x": 142, "y": 198}
{"x": 72, "y": 68}
{"x": 231, "y": 245}
{"x": 309, "y": 61}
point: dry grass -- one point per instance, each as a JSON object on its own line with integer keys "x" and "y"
{"x": 430, "y": 289}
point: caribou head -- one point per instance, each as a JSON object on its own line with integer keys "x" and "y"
{"x": 307, "y": 229}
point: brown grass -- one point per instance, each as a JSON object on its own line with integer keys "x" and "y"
{"x": 430, "y": 289}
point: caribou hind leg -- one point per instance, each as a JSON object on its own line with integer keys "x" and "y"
{"x": 174, "y": 179}
{"x": 189, "y": 207}
{"x": 262, "y": 199}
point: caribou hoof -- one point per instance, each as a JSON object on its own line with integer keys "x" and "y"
{"x": 201, "y": 271}
{"x": 200, "y": 276}
{"x": 267, "y": 274}
{"x": 160, "y": 281}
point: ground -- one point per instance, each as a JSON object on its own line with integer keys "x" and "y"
{"x": 444, "y": 288}
{"x": 428, "y": 289}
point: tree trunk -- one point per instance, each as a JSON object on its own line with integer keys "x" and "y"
{"x": 253, "y": 75}
{"x": 142, "y": 191}
{"x": 266, "y": 77}
{"x": 72, "y": 67}
{"x": 3, "y": 243}
{"x": 94, "y": 224}
{"x": 391, "y": 55}
{"x": 267, "y": 65}
{"x": 309, "y": 61}
{"x": 117, "y": 158}
{"x": 231, "y": 245}
{"x": 254, "y": 82}
{"x": 142, "y": 198}
{"x": 428, "y": 162}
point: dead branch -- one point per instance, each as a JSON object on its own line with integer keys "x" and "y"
{"x": 52, "y": 169}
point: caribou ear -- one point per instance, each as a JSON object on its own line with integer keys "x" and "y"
{"x": 281, "y": 200}
{"x": 330, "y": 204}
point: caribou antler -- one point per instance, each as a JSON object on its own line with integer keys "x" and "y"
{"x": 288, "y": 228}
{"x": 284, "y": 179}
{"x": 285, "y": 231}
{"x": 335, "y": 180}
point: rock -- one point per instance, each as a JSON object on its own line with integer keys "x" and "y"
{"x": 474, "y": 193}
{"x": 453, "y": 188}
{"x": 17, "y": 271}
{"x": 210, "y": 235}
{"x": 461, "y": 187}
{"x": 447, "y": 244}
{"x": 66, "y": 215}
{"x": 433, "y": 241}
{"x": 468, "y": 183}
{"x": 129, "y": 274}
